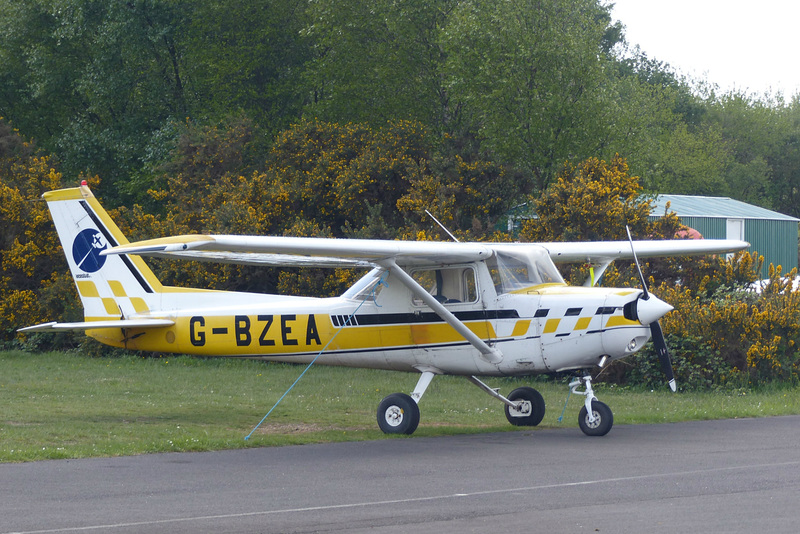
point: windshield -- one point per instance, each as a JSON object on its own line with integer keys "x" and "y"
{"x": 513, "y": 269}
{"x": 367, "y": 288}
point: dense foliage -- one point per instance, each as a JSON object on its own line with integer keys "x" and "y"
{"x": 345, "y": 118}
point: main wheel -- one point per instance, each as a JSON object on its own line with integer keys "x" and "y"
{"x": 398, "y": 414}
{"x": 603, "y": 420}
{"x": 531, "y": 410}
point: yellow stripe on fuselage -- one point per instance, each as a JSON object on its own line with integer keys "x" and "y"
{"x": 619, "y": 320}
{"x": 521, "y": 328}
{"x": 243, "y": 335}
{"x": 551, "y": 326}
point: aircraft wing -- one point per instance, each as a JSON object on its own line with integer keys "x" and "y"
{"x": 604, "y": 251}
{"x": 305, "y": 251}
{"x": 329, "y": 252}
{"x": 92, "y": 325}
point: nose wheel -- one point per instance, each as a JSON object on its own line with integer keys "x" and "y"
{"x": 595, "y": 418}
{"x": 601, "y": 421}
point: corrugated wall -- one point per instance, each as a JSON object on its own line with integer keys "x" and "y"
{"x": 775, "y": 240}
{"x": 710, "y": 228}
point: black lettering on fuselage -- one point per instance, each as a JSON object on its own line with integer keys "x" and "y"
{"x": 311, "y": 331}
{"x": 262, "y": 339}
{"x": 198, "y": 339}
{"x": 286, "y": 329}
{"x": 242, "y": 330}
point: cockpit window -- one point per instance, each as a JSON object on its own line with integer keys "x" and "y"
{"x": 516, "y": 269}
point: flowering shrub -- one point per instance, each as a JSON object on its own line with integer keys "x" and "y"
{"x": 319, "y": 179}
{"x": 33, "y": 271}
{"x": 752, "y": 335}
{"x": 591, "y": 201}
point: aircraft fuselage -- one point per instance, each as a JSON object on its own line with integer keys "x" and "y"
{"x": 544, "y": 328}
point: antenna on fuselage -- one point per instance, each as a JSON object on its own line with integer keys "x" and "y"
{"x": 443, "y": 227}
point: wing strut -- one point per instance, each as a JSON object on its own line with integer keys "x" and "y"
{"x": 596, "y": 275}
{"x": 490, "y": 354}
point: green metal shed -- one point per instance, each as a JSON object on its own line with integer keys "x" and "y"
{"x": 771, "y": 234}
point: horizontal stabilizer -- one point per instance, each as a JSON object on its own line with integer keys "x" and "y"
{"x": 92, "y": 325}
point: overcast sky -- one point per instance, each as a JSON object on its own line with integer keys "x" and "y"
{"x": 745, "y": 45}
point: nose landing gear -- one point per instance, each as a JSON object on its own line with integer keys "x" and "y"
{"x": 595, "y": 418}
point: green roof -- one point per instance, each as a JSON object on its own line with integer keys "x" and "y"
{"x": 714, "y": 207}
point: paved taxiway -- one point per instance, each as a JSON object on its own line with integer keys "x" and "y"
{"x": 713, "y": 476}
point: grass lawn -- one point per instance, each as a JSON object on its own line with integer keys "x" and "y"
{"x": 66, "y": 405}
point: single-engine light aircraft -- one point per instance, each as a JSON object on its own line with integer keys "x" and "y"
{"x": 432, "y": 308}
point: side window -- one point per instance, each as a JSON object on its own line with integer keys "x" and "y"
{"x": 452, "y": 285}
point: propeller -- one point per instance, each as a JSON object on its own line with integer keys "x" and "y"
{"x": 651, "y": 306}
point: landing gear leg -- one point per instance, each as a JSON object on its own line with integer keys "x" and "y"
{"x": 524, "y": 406}
{"x": 595, "y": 418}
{"x": 398, "y": 413}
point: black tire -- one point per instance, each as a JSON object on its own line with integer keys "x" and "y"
{"x": 536, "y": 401}
{"x": 398, "y": 414}
{"x": 603, "y": 422}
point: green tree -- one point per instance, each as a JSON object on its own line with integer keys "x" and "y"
{"x": 658, "y": 125}
{"x": 379, "y": 61}
{"x": 92, "y": 79}
{"x": 531, "y": 77}
{"x": 689, "y": 163}
{"x": 246, "y": 58}
{"x": 784, "y": 185}
{"x": 753, "y": 131}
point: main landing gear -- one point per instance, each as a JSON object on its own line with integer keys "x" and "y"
{"x": 398, "y": 413}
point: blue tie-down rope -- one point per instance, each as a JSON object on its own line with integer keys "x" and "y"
{"x": 346, "y": 323}
{"x": 561, "y": 417}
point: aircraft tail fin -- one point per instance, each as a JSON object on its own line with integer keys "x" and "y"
{"x": 110, "y": 287}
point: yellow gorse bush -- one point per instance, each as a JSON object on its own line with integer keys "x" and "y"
{"x": 31, "y": 261}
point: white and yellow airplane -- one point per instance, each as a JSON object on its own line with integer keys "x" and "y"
{"x": 432, "y": 308}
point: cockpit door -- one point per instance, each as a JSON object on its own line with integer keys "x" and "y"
{"x": 457, "y": 288}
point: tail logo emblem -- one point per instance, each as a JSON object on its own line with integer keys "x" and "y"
{"x": 86, "y": 250}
